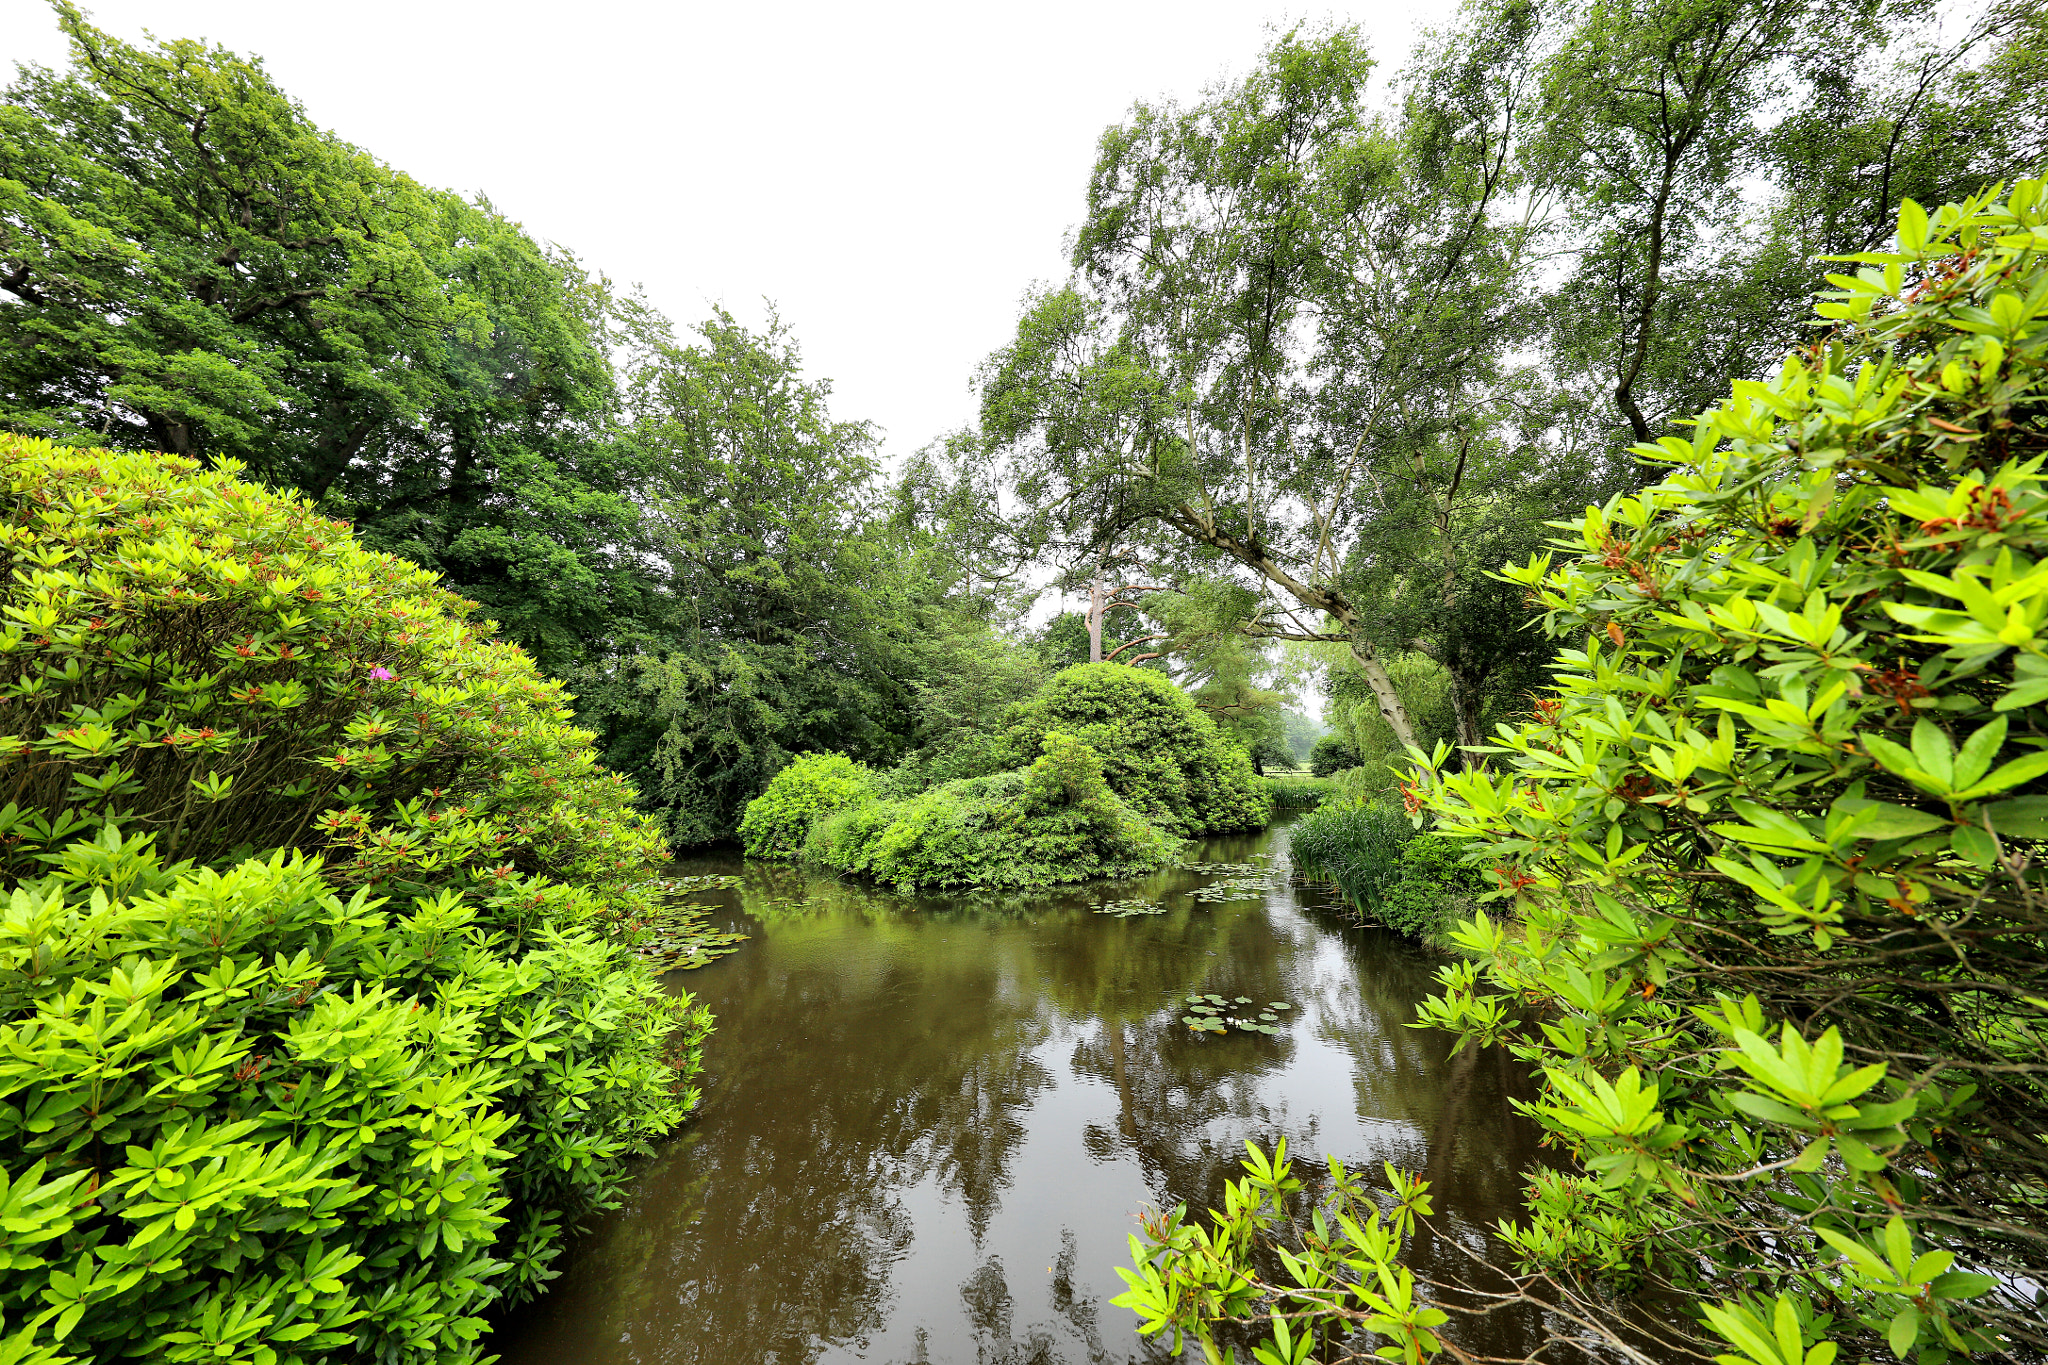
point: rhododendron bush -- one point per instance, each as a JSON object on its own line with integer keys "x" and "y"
{"x": 321, "y": 1018}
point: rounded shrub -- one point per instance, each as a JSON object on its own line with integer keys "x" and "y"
{"x": 1158, "y": 751}
{"x": 1332, "y": 754}
{"x": 809, "y": 787}
{"x": 1056, "y": 821}
{"x": 318, "y": 1015}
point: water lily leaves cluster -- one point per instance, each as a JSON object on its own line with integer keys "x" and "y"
{"x": 1769, "y": 922}
{"x": 1131, "y": 909}
{"x": 1239, "y": 882}
{"x": 677, "y": 935}
{"x": 1215, "y": 1014}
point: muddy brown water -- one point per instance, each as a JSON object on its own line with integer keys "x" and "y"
{"x": 929, "y": 1123}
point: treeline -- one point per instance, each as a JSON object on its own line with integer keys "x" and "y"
{"x": 1322, "y": 365}
{"x": 669, "y": 518}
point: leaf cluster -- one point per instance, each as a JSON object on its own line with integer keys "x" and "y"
{"x": 242, "y": 1117}
{"x": 1772, "y": 926}
{"x": 1056, "y": 821}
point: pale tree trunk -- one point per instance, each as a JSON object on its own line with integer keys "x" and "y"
{"x": 1383, "y": 691}
{"x": 1198, "y": 525}
{"x": 1126, "y": 1123}
{"x": 1095, "y": 613}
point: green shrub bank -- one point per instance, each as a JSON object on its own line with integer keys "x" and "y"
{"x": 1159, "y": 752}
{"x": 1783, "y": 815}
{"x": 1417, "y": 885}
{"x": 1297, "y": 793}
{"x": 325, "y": 1102}
{"x": 1772, "y": 918}
{"x": 810, "y": 787}
{"x": 1111, "y": 796}
{"x": 1056, "y": 821}
{"x": 1332, "y": 754}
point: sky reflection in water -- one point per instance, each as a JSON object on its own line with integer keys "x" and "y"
{"x": 929, "y": 1123}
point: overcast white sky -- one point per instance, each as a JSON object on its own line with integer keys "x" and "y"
{"x": 892, "y": 176}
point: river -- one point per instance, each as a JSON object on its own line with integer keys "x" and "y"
{"x": 928, "y": 1123}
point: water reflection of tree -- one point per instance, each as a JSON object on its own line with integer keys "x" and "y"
{"x": 1187, "y": 1104}
{"x": 860, "y": 1068}
{"x": 906, "y": 1066}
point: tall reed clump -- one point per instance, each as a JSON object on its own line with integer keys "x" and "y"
{"x": 1298, "y": 793}
{"x": 1354, "y": 846}
{"x": 318, "y": 1026}
{"x": 1415, "y": 884}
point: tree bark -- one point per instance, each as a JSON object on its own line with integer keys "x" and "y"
{"x": 1461, "y": 708}
{"x": 1095, "y": 613}
{"x": 1384, "y": 692}
{"x": 1196, "y": 525}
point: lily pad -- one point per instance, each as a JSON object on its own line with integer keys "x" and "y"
{"x": 1279, "y": 1005}
{"x": 1244, "y": 1000}
{"x": 1268, "y": 1017}
{"x": 1127, "y": 909}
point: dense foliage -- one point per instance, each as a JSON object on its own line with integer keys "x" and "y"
{"x": 812, "y": 786}
{"x": 1099, "y": 774}
{"x": 1780, "y": 810}
{"x": 1055, "y": 821}
{"x": 1772, "y": 925}
{"x": 1332, "y": 754}
{"x": 1350, "y": 358}
{"x": 193, "y": 267}
{"x": 1159, "y": 752}
{"x": 679, "y": 525}
{"x": 323, "y": 1017}
{"x": 1418, "y": 885}
{"x": 343, "y": 1073}
{"x": 785, "y": 620}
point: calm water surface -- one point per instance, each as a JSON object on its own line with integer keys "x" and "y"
{"x": 928, "y": 1123}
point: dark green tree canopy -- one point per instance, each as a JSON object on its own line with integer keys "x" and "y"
{"x": 190, "y": 265}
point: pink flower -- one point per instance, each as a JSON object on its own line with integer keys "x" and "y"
{"x": 382, "y": 675}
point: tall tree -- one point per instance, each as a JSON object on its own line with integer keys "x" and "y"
{"x": 190, "y": 265}
{"x": 803, "y": 604}
{"x": 1307, "y": 286}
